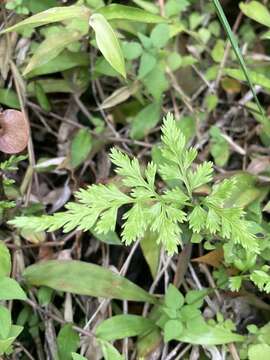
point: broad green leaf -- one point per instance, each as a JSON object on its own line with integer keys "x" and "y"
{"x": 45, "y": 295}
{"x": 257, "y": 78}
{"x": 64, "y": 61}
{"x": 5, "y": 322}
{"x": 18, "y": 6}
{"x": 173, "y": 298}
{"x": 103, "y": 67}
{"x": 42, "y": 97}
{"x": 10, "y": 290}
{"x": 50, "y": 16}
{"x": 151, "y": 251}
{"x": 200, "y": 333}
{"x": 189, "y": 312}
{"x": 175, "y": 7}
{"x": 131, "y": 49}
{"x": 196, "y": 297}
{"x": 95, "y": 3}
{"x": 172, "y": 329}
{"x": 211, "y": 102}
{"x": 219, "y": 147}
{"x": 13, "y": 334}
{"x": 81, "y": 146}
{"x": 110, "y": 352}
{"x": 237, "y": 51}
{"x": 259, "y": 351}
{"x": 146, "y": 41}
{"x": 85, "y": 279}
{"x": 160, "y": 35}
{"x": 204, "y": 35}
{"x": 51, "y": 47}
{"x": 195, "y": 20}
{"x": 149, "y": 342}
{"x": 110, "y": 238}
{"x": 9, "y": 98}
{"x": 147, "y": 64}
{"x": 77, "y": 357}
{"x": 146, "y": 5}
{"x": 49, "y": 86}
{"x": 256, "y": 11}
{"x": 145, "y": 120}
{"x": 107, "y": 43}
{"x": 38, "y": 6}
{"x": 123, "y": 326}
{"x": 117, "y": 11}
{"x": 156, "y": 82}
{"x": 68, "y": 341}
{"x": 218, "y": 51}
{"x": 5, "y": 261}
{"x": 174, "y": 60}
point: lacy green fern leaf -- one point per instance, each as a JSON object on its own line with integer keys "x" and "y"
{"x": 161, "y": 212}
{"x": 228, "y": 222}
{"x": 197, "y": 219}
{"x": 129, "y": 169}
{"x": 135, "y": 224}
{"x": 202, "y": 175}
{"x": 261, "y": 279}
{"x": 222, "y": 192}
{"x": 173, "y": 140}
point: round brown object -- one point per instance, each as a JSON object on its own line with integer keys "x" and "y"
{"x": 14, "y": 131}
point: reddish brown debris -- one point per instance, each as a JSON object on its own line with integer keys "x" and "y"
{"x": 14, "y": 131}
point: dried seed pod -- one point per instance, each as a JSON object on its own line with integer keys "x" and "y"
{"x": 14, "y": 131}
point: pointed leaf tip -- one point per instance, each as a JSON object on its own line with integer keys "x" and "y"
{"x": 108, "y": 43}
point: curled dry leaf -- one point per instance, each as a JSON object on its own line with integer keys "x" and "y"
{"x": 14, "y": 131}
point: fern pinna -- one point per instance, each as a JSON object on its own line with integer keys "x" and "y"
{"x": 166, "y": 213}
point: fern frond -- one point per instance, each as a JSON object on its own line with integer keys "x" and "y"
{"x": 175, "y": 196}
{"x": 202, "y": 175}
{"x": 197, "y": 219}
{"x": 102, "y": 196}
{"x": 173, "y": 140}
{"x": 165, "y": 224}
{"x": 96, "y": 201}
{"x": 230, "y": 223}
{"x": 261, "y": 279}
{"x": 5, "y": 204}
{"x": 163, "y": 213}
{"x": 213, "y": 222}
{"x": 168, "y": 171}
{"x": 135, "y": 224}
{"x": 129, "y": 169}
{"x": 222, "y": 192}
{"x": 11, "y": 164}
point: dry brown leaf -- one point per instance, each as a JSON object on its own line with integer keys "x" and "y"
{"x": 213, "y": 258}
{"x": 14, "y": 131}
{"x": 231, "y": 86}
{"x": 259, "y": 165}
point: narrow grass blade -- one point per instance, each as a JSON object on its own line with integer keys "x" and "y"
{"x": 237, "y": 51}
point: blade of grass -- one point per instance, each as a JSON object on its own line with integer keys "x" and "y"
{"x": 237, "y": 51}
